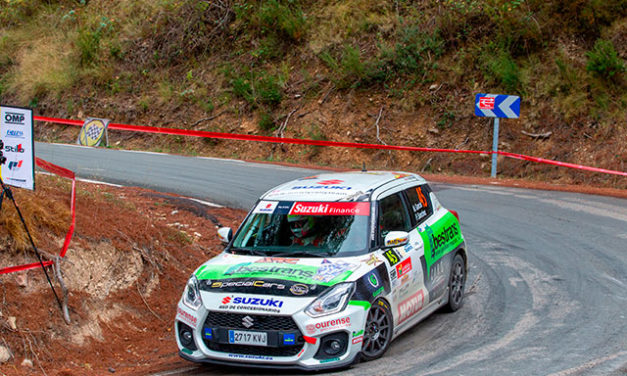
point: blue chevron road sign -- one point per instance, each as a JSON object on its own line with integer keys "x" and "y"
{"x": 497, "y": 106}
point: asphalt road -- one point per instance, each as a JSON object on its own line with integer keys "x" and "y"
{"x": 547, "y": 287}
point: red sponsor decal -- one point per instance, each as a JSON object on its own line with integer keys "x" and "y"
{"x": 278, "y": 260}
{"x": 410, "y": 306}
{"x": 226, "y": 300}
{"x": 404, "y": 267}
{"x": 486, "y": 103}
{"x": 325, "y": 326}
{"x": 356, "y": 340}
{"x": 189, "y": 319}
{"x": 311, "y": 340}
{"x": 330, "y": 182}
{"x": 330, "y": 208}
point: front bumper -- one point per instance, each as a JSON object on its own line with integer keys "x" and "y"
{"x": 303, "y": 352}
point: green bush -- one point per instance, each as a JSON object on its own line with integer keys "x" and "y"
{"x": 256, "y": 88}
{"x": 282, "y": 20}
{"x": 603, "y": 60}
{"x": 499, "y": 67}
{"x": 266, "y": 121}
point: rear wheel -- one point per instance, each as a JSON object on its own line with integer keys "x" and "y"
{"x": 456, "y": 283}
{"x": 378, "y": 331}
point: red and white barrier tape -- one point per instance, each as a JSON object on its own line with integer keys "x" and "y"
{"x": 63, "y": 172}
{"x": 244, "y": 137}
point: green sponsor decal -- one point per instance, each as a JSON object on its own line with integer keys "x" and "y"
{"x": 378, "y": 292}
{"x": 329, "y": 360}
{"x": 362, "y": 303}
{"x": 325, "y": 274}
{"x": 357, "y": 334}
{"x": 187, "y": 351}
{"x": 441, "y": 238}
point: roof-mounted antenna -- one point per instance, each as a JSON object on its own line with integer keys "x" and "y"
{"x": 363, "y": 168}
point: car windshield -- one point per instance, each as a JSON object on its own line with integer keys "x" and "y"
{"x": 315, "y": 229}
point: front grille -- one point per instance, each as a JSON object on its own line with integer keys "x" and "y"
{"x": 254, "y": 350}
{"x": 260, "y": 322}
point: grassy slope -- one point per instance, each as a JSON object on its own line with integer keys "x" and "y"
{"x": 248, "y": 64}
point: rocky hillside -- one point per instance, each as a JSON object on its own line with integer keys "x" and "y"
{"x": 396, "y": 72}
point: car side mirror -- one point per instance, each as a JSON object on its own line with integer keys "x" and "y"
{"x": 225, "y": 234}
{"x": 396, "y": 239}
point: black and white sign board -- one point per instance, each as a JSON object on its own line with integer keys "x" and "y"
{"x": 16, "y": 130}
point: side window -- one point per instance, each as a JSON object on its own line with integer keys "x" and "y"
{"x": 392, "y": 216}
{"x": 420, "y": 202}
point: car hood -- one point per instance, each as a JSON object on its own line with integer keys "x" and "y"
{"x": 295, "y": 277}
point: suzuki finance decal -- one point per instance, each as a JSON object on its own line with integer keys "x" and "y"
{"x": 330, "y": 208}
{"x": 440, "y": 238}
{"x": 410, "y": 306}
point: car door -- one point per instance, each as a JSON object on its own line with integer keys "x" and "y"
{"x": 403, "y": 262}
{"x": 427, "y": 220}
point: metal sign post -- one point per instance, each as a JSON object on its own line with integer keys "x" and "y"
{"x": 497, "y": 106}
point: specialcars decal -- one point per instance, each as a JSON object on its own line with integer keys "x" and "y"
{"x": 410, "y": 306}
{"x": 266, "y": 286}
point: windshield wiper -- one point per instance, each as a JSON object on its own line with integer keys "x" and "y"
{"x": 253, "y": 252}
{"x": 303, "y": 253}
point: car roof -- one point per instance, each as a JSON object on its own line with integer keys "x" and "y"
{"x": 340, "y": 186}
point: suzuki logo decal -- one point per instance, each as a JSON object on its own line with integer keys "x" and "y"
{"x": 248, "y": 321}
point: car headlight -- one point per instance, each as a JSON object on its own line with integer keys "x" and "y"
{"x": 191, "y": 296}
{"x": 332, "y": 301}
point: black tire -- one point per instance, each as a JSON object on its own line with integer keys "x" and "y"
{"x": 456, "y": 283}
{"x": 378, "y": 331}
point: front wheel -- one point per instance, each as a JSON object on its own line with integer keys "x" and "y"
{"x": 456, "y": 283}
{"x": 378, "y": 331}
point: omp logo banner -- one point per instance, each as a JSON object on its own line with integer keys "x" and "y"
{"x": 440, "y": 238}
{"x": 16, "y": 130}
{"x": 92, "y": 131}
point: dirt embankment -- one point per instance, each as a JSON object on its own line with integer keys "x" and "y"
{"x": 128, "y": 262}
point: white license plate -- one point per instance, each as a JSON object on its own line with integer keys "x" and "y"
{"x": 240, "y": 337}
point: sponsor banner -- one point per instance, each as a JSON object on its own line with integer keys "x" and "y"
{"x": 410, "y": 306}
{"x": 186, "y": 317}
{"x": 328, "y": 325}
{"x": 16, "y": 130}
{"x": 275, "y": 287}
{"x": 326, "y": 274}
{"x": 404, "y": 267}
{"x": 440, "y": 238}
{"x": 246, "y": 303}
{"x": 265, "y": 207}
{"x": 330, "y": 208}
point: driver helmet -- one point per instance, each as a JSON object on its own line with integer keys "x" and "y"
{"x": 300, "y": 225}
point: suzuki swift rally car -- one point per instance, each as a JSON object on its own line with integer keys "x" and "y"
{"x": 324, "y": 271}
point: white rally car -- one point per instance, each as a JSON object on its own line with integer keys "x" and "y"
{"x": 325, "y": 271}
